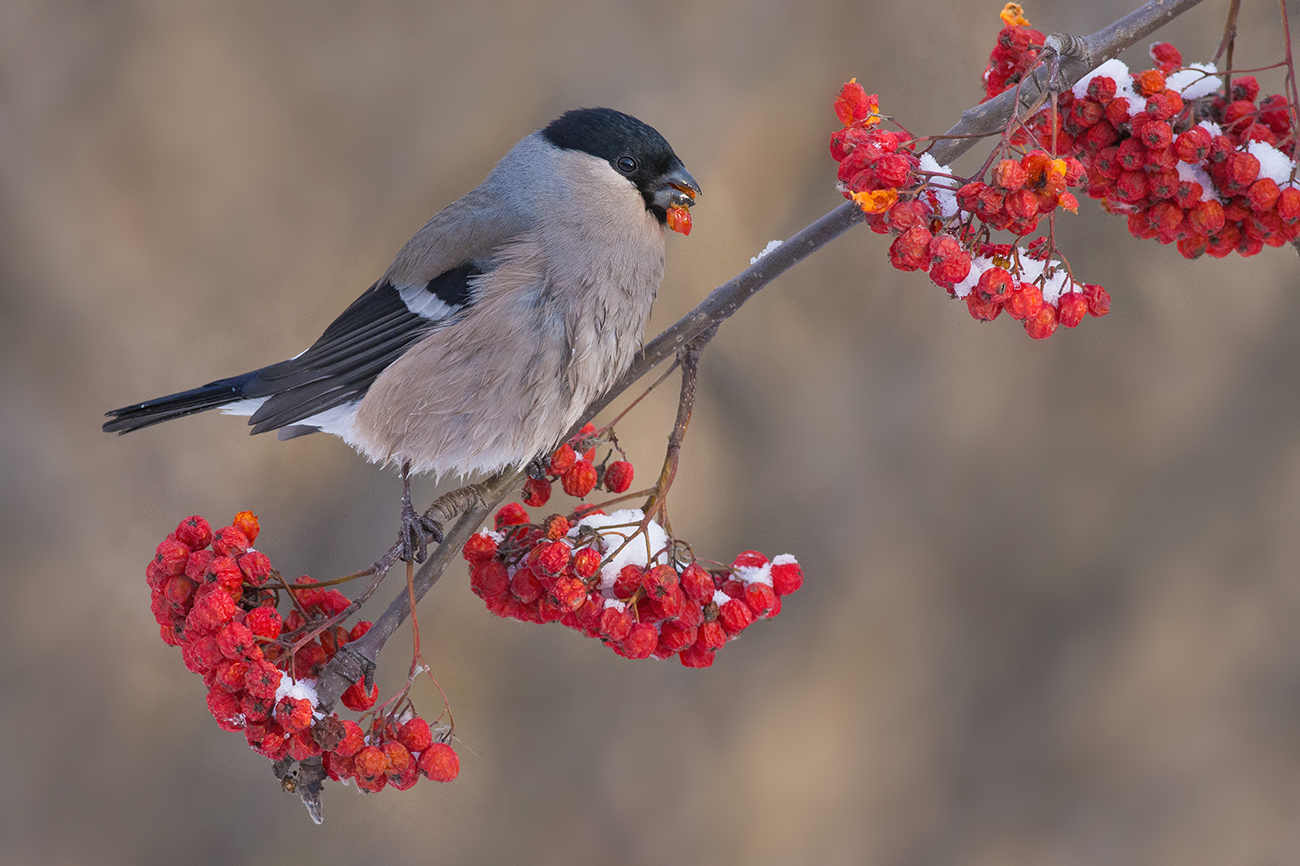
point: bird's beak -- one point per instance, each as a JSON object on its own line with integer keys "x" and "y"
{"x": 677, "y": 189}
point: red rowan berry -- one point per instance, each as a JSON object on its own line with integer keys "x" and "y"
{"x": 553, "y": 558}
{"x": 1087, "y": 113}
{"x": 580, "y": 479}
{"x": 525, "y": 586}
{"x": 255, "y": 709}
{"x": 949, "y": 262}
{"x": 628, "y": 580}
{"x": 172, "y": 557}
{"x": 1100, "y": 135}
{"x": 615, "y": 624}
{"x": 371, "y": 764}
{"x": 236, "y": 641}
{"x": 229, "y": 541}
{"x": 696, "y": 583}
{"x": 397, "y": 759}
{"x": 618, "y": 476}
{"x": 562, "y": 460}
{"x": 1042, "y": 324}
{"x": 1149, "y": 82}
{"x": 198, "y": 563}
{"x": 1021, "y": 204}
{"x": 1101, "y": 88}
{"x": 787, "y": 576}
{"x": 569, "y": 592}
{"x": 225, "y": 708}
{"x": 489, "y": 579}
{"x": 910, "y": 251}
{"x": 1192, "y": 247}
{"x": 697, "y": 655}
{"x": 255, "y": 567}
{"x": 211, "y": 611}
{"x": 194, "y": 532}
{"x": 1098, "y": 300}
{"x": 1009, "y": 175}
{"x": 262, "y": 679}
{"x": 673, "y": 638}
{"x": 1072, "y": 308}
{"x": 659, "y": 581}
{"x": 230, "y": 673}
{"x": 760, "y": 599}
{"x": 735, "y": 616}
{"x": 302, "y": 745}
{"x": 510, "y": 514}
{"x": 1169, "y": 58}
{"x": 440, "y": 763}
{"x": 1206, "y": 218}
{"x": 353, "y": 739}
{"x": 479, "y": 548}
{"x": 1239, "y": 171}
{"x": 586, "y": 562}
{"x": 641, "y": 641}
{"x": 308, "y": 661}
{"x": 982, "y": 309}
{"x": 356, "y": 698}
{"x": 1263, "y": 194}
{"x": 712, "y": 635}
{"x": 537, "y": 492}
{"x": 1288, "y": 204}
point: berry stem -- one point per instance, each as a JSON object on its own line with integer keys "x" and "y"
{"x": 689, "y": 360}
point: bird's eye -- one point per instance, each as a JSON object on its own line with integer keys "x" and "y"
{"x": 626, "y": 164}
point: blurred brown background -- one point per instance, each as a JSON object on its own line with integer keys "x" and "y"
{"x": 1050, "y": 614}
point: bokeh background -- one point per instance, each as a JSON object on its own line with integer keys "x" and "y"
{"x": 1052, "y": 589}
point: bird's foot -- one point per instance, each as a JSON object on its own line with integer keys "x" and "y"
{"x": 417, "y": 529}
{"x": 417, "y": 532}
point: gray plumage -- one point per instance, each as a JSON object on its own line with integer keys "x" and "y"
{"x": 496, "y": 324}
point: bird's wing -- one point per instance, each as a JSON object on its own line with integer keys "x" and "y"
{"x": 428, "y": 286}
{"x": 370, "y": 334}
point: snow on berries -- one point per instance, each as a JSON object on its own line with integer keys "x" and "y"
{"x": 1164, "y": 147}
{"x": 620, "y": 577}
{"x": 943, "y": 226}
{"x": 213, "y": 596}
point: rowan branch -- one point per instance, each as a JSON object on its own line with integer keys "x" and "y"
{"x": 1076, "y": 57}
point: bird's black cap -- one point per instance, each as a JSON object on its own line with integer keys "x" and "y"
{"x": 617, "y": 137}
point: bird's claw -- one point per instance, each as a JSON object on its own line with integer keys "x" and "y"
{"x": 536, "y": 468}
{"x": 417, "y": 532}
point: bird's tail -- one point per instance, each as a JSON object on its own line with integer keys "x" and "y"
{"x": 211, "y": 396}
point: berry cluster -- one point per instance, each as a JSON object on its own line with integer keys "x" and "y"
{"x": 1186, "y": 164}
{"x": 621, "y": 578}
{"x": 945, "y": 229}
{"x": 1016, "y": 52}
{"x": 573, "y": 465}
{"x": 1166, "y": 148}
{"x": 217, "y": 598}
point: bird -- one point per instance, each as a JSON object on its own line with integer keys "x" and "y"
{"x": 496, "y": 324}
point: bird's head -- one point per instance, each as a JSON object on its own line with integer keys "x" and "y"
{"x": 635, "y": 151}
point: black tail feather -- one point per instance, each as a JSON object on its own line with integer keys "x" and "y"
{"x": 211, "y": 396}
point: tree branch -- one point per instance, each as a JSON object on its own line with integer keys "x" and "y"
{"x": 1077, "y": 57}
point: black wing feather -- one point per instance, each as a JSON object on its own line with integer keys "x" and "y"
{"x": 370, "y": 334}
{"x": 339, "y": 367}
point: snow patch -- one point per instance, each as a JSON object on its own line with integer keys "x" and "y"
{"x": 941, "y": 187}
{"x": 1273, "y": 163}
{"x": 645, "y": 549}
{"x": 1194, "y": 80}
{"x": 771, "y": 245}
